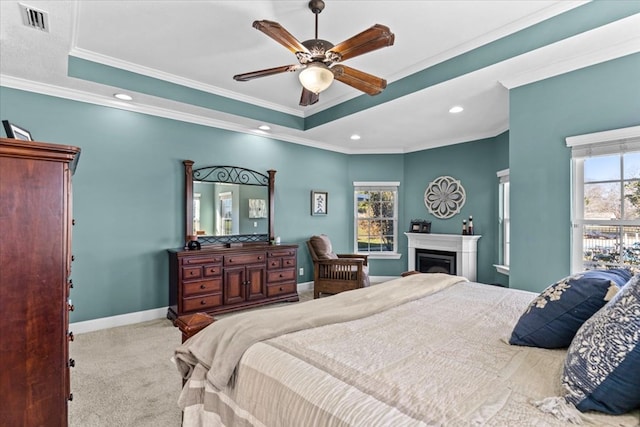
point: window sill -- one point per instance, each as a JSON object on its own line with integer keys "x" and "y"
{"x": 502, "y": 269}
{"x": 387, "y": 255}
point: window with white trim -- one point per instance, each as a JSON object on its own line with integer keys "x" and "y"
{"x": 606, "y": 199}
{"x": 504, "y": 220}
{"x": 376, "y": 218}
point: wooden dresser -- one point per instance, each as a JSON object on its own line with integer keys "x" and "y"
{"x": 218, "y": 279}
{"x": 35, "y": 266}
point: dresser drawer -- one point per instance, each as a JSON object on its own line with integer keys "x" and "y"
{"x": 202, "y": 287}
{"x": 274, "y": 263}
{"x": 242, "y": 259}
{"x": 212, "y": 270}
{"x": 201, "y": 303}
{"x": 281, "y": 252}
{"x": 284, "y": 288}
{"x": 209, "y": 259}
{"x": 191, "y": 273}
{"x": 281, "y": 275}
{"x": 289, "y": 262}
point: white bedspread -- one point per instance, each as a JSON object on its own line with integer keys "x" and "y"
{"x": 440, "y": 359}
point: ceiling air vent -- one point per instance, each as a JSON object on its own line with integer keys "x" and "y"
{"x": 35, "y": 18}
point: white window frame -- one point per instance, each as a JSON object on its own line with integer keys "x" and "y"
{"x": 504, "y": 219}
{"x": 372, "y": 186}
{"x": 611, "y": 142}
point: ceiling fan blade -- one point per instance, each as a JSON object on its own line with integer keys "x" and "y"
{"x": 279, "y": 34}
{"x": 308, "y": 98}
{"x": 360, "y": 80}
{"x": 373, "y": 38}
{"x": 264, "y": 73}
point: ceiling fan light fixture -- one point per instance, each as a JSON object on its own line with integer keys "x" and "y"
{"x": 316, "y": 77}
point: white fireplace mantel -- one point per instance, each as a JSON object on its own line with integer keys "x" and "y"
{"x": 465, "y": 247}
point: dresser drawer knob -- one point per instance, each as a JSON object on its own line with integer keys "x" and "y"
{"x": 73, "y": 257}
{"x": 259, "y": 258}
{"x": 203, "y": 287}
{"x": 281, "y": 288}
{"x": 70, "y": 336}
{"x": 281, "y": 275}
{"x": 71, "y": 307}
{"x": 70, "y": 397}
{"x": 72, "y": 363}
{"x": 70, "y": 284}
{"x": 203, "y": 302}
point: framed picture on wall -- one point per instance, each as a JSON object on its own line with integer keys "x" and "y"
{"x": 319, "y": 202}
{"x": 16, "y": 132}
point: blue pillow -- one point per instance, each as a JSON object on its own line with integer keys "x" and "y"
{"x": 553, "y": 318}
{"x": 602, "y": 368}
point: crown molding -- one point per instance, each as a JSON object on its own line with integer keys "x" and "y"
{"x": 610, "y": 52}
{"x": 153, "y": 73}
{"x": 80, "y": 96}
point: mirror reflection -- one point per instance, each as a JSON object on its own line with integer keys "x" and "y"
{"x": 223, "y": 209}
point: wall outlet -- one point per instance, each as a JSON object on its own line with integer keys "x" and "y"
{"x": 255, "y": 223}
{"x": 301, "y": 271}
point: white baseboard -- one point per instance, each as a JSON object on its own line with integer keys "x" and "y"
{"x": 120, "y": 320}
{"x": 137, "y": 317}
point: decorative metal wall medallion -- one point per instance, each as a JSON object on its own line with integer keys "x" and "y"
{"x": 444, "y": 197}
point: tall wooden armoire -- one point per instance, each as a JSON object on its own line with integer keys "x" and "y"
{"x": 35, "y": 268}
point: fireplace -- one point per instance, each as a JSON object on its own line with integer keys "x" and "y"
{"x": 430, "y": 261}
{"x": 465, "y": 248}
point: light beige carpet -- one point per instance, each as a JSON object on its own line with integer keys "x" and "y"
{"x": 124, "y": 376}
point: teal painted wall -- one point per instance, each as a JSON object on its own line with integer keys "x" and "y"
{"x": 475, "y": 165}
{"x": 542, "y": 115}
{"x": 128, "y": 193}
{"x": 128, "y": 187}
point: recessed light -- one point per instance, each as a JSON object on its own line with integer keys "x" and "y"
{"x": 264, "y": 127}
{"x": 456, "y": 109}
{"x": 123, "y": 96}
{"x": 355, "y": 137}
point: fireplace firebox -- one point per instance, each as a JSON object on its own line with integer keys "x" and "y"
{"x": 432, "y": 261}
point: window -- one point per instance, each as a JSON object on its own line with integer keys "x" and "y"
{"x": 376, "y": 218}
{"x": 606, "y": 201}
{"x": 504, "y": 221}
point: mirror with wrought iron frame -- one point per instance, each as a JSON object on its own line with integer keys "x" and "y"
{"x": 231, "y": 176}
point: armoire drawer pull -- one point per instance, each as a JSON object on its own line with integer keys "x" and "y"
{"x": 72, "y": 363}
{"x": 70, "y": 336}
{"x": 70, "y": 397}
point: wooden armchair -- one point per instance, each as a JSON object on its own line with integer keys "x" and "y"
{"x": 334, "y": 273}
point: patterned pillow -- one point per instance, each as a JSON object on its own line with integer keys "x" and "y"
{"x": 602, "y": 368}
{"x": 554, "y": 317}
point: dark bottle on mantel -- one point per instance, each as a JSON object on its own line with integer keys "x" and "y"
{"x": 470, "y": 227}
{"x": 464, "y": 226}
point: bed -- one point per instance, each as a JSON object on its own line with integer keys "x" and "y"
{"x": 426, "y": 349}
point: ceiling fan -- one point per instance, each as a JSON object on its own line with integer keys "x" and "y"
{"x": 320, "y": 61}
